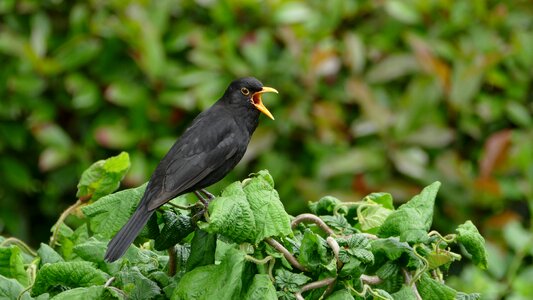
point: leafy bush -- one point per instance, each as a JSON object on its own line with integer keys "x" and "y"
{"x": 244, "y": 246}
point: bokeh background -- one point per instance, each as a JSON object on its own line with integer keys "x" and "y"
{"x": 386, "y": 95}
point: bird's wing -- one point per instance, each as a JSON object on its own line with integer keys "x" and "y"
{"x": 198, "y": 153}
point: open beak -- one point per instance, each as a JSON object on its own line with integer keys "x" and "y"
{"x": 258, "y": 102}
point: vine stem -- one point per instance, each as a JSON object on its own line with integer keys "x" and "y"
{"x": 311, "y": 218}
{"x": 409, "y": 281}
{"x": 314, "y": 285}
{"x": 258, "y": 261}
{"x": 372, "y": 280}
{"x": 171, "y": 261}
{"x": 336, "y": 250}
{"x": 20, "y": 243}
{"x": 62, "y": 217}
{"x": 291, "y": 259}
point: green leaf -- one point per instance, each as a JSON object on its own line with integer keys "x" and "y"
{"x": 464, "y": 296}
{"x": 474, "y": 243}
{"x": 48, "y": 255}
{"x": 76, "y": 52}
{"x": 203, "y": 246}
{"x": 103, "y": 177}
{"x": 431, "y": 289}
{"x": 91, "y": 250}
{"x": 223, "y": 281}
{"x": 392, "y": 248}
{"x": 387, "y": 270}
{"x": 231, "y": 215}
{"x": 54, "y": 278}
{"x": 261, "y": 289}
{"x": 11, "y": 289}
{"x": 384, "y": 199}
{"x": 405, "y": 293}
{"x": 413, "y": 219}
{"x": 12, "y": 264}
{"x": 269, "y": 213}
{"x": 289, "y": 281}
{"x": 136, "y": 285}
{"x": 341, "y": 295}
{"x": 338, "y": 222}
{"x": 313, "y": 251}
{"x": 89, "y": 293}
{"x": 110, "y": 213}
{"x": 325, "y": 206}
{"x": 249, "y": 211}
{"x": 402, "y": 11}
{"x": 371, "y": 217}
{"x": 175, "y": 229}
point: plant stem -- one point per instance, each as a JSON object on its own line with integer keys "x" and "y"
{"x": 314, "y": 285}
{"x": 171, "y": 261}
{"x": 62, "y": 217}
{"x": 409, "y": 281}
{"x": 373, "y": 280}
{"x": 19, "y": 243}
{"x": 311, "y": 218}
{"x": 291, "y": 259}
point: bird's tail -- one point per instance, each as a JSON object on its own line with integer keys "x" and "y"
{"x": 123, "y": 239}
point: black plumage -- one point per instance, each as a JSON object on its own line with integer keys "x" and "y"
{"x": 210, "y": 148}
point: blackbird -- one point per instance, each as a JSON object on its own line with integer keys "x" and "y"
{"x": 211, "y": 147}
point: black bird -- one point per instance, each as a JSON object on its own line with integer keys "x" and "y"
{"x": 207, "y": 150}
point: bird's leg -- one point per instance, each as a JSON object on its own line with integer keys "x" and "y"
{"x": 204, "y": 201}
{"x": 208, "y": 194}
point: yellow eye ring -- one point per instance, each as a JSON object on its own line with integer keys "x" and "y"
{"x": 245, "y": 91}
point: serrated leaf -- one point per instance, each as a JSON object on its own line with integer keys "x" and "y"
{"x": 223, "y": 281}
{"x": 249, "y": 211}
{"x": 12, "y": 264}
{"x": 103, "y": 177}
{"x": 384, "y": 199}
{"x": 136, "y": 285}
{"x": 270, "y": 216}
{"x": 388, "y": 270}
{"x": 431, "y": 289}
{"x": 325, "y": 206}
{"x": 231, "y": 215}
{"x": 341, "y": 295}
{"x": 89, "y": 293}
{"x": 405, "y": 293}
{"x": 92, "y": 250}
{"x": 372, "y": 217}
{"x": 110, "y": 213}
{"x": 10, "y": 289}
{"x": 203, "y": 246}
{"x": 175, "y": 229}
{"x": 474, "y": 243}
{"x": 289, "y": 281}
{"x": 413, "y": 219}
{"x": 54, "y": 278}
{"x": 392, "y": 248}
{"x": 338, "y": 222}
{"x": 48, "y": 255}
{"x": 436, "y": 260}
{"x": 261, "y": 289}
{"x": 313, "y": 251}
{"x": 464, "y": 296}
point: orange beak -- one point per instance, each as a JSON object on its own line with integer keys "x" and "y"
{"x": 258, "y": 102}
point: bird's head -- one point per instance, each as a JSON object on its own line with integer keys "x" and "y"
{"x": 248, "y": 91}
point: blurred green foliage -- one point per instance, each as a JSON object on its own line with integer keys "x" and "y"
{"x": 374, "y": 95}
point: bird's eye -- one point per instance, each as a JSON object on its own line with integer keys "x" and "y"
{"x": 245, "y": 91}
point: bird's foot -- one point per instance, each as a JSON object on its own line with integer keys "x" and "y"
{"x": 204, "y": 201}
{"x": 208, "y": 194}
